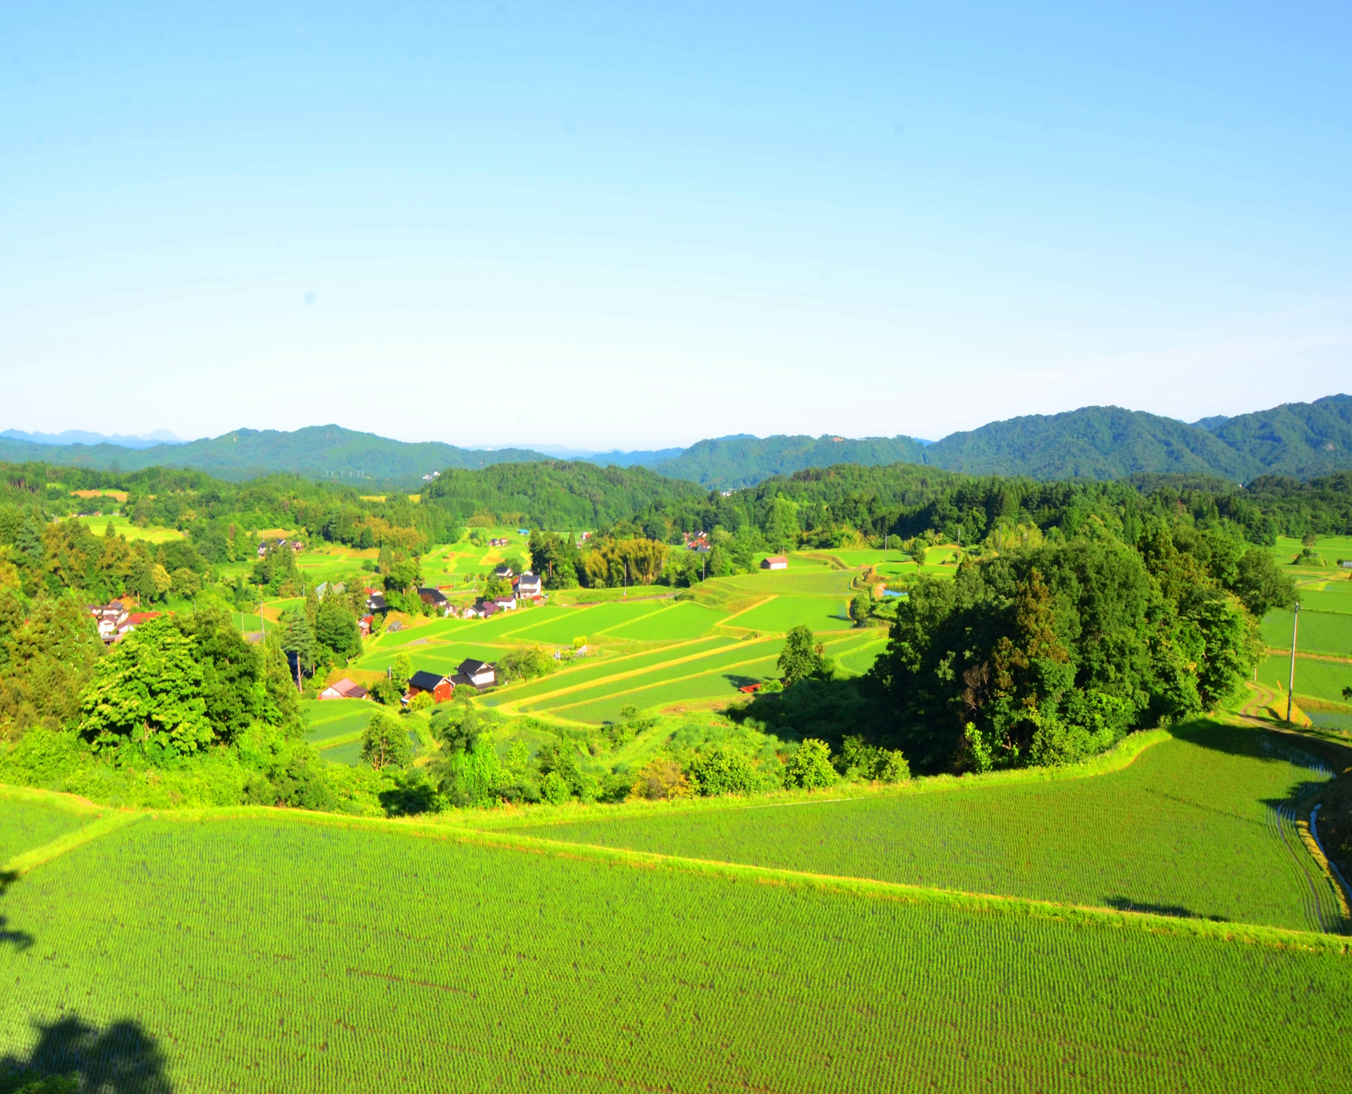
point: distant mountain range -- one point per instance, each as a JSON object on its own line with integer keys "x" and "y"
{"x": 1302, "y": 440}
{"x": 320, "y": 451}
{"x": 79, "y": 436}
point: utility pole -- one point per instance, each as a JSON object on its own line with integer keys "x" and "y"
{"x": 1291, "y": 680}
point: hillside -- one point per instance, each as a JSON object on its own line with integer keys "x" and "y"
{"x": 1302, "y": 440}
{"x": 558, "y": 494}
{"x": 727, "y": 463}
{"x": 1299, "y": 439}
{"x": 324, "y": 451}
{"x": 1097, "y": 442}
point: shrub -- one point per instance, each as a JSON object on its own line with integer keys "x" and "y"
{"x": 554, "y": 789}
{"x": 723, "y": 770}
{"x": 810, "y": 766}
{"x": 661, "y": 779}
{"x": 525, "y": 663}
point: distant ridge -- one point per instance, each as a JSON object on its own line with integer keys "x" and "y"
{"x": 79, "y": 436}
{"x": 727, "y": 463}
{"x": 1302, "y": 440}
{"x": 321, "y": 451}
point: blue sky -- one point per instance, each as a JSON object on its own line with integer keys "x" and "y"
{"x": 636, "y": 226}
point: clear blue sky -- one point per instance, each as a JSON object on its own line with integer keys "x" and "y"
{"x": 615, "y": 225}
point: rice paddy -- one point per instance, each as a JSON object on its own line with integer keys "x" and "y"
{"x": 1193, "y": 826}
{"x": 658, "y": 649}
{"x": 381, "y": 957}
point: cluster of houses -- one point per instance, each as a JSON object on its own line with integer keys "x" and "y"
{"x": 526, "y": 586}
{"x": 114, "y": 620}
{"x": 276, "y": 544}
{"x": 478, "y": 675}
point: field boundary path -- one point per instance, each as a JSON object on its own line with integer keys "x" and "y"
{"x": 28, "y": 860}
{"x": 1281, "y": 938}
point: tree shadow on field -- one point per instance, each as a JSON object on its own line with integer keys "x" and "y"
{"x": 1273, "y": 745}
{"x": 72, "y": 1056}
{"x": 739, "y": 681}
{"x": 1177, "y": 911}
{"x": 20, "y": 940}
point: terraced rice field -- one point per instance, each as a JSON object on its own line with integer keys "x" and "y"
{"x": 370, "y": 959}
{"x": 707, "y": 670}
{"x": 1191, "y": 827}
{"x": 654, "y": 651}
{"x": 332, "y": 719}
{"x": 1320, "y": 632}
{"x": 28, "y": 821}
{"x": 1322, "y": 680}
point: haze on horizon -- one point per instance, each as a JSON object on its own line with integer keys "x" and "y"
{"x": 594, "y": 226}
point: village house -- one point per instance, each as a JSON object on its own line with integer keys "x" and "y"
{"x": 108, "y": 617}
{"x": 478, "y": 673}
{"x": 498, "y": 542}
{"x": 505, "y": 603}
{"x": 364, "y": 625}
{"x": 503, "y": 573}
{"x": 775, "y": 562}
{"x": 277, "y": 544}
{"x": 528, "y": 586}
{"x": 115, "y": 622}
{"x": 343, "y": 689}
{"x": 375, "y": 602}
{"x": 435, "y": 599}
{"x": 429, "y": 683}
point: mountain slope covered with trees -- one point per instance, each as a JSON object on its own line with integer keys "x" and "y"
{"x": 321, "y": 451}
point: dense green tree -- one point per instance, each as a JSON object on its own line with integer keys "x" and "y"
{"x": 810, "y": 766}
{"x": 232, "y": 687}
{"x": 148, "y": 694}
{"x": 385, "y": 743}
{"x": 336, "y": 628}
{"x": 723, "y": 770}
{"x": 1259, "y": 585}
{"x": 801, "y": 658}
{"x": 45, "y": 660}
{"x": 298, "y": 640}
{"x": 525, "y": 663}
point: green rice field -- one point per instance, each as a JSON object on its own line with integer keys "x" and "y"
{"x": 331, "y": 719}
{"x": 368, "y": 958}
{"x": 123, "y": 527}
{"x": 1203, "y": 802}
{"x": 656, "y": 651}
{"x": 26, "y": 823}
{"x": 1322, "y": 680}
{"x": 1319, "y": 631}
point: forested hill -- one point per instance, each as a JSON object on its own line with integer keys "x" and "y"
{"x": 728, "y": 463}
{"x": 561, "y": 495}
{"x": 1098, "y": 442}
{"x": 321, "y": 451}
{"x": 1302, "y": 440}
{"x": 1298, "y": 439}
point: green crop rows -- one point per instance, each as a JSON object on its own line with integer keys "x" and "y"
{"x": 1187, "y": 829}
{"x": 26, "y": 823}
{"x": 262, "y": 954}
{"x": 1323, "y": 680}
{"x": 1320, "y": 632}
